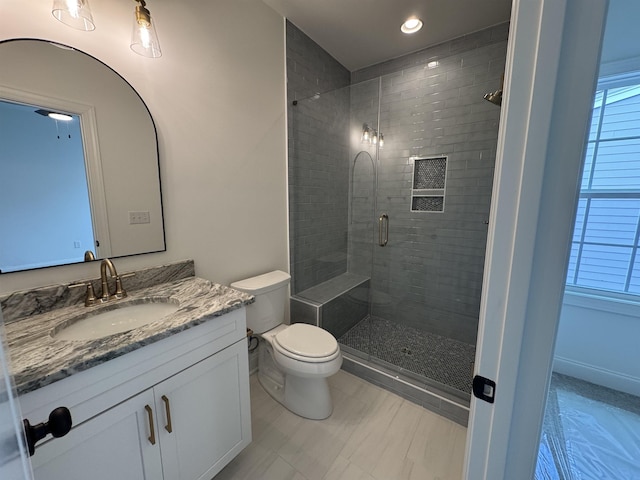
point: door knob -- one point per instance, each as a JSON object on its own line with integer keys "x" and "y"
{"x": 58, "y": 425}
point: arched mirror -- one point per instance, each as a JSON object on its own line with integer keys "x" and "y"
{"x": 85, "y": 180}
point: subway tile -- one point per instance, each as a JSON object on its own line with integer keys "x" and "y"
{"x": 424, "y": 112}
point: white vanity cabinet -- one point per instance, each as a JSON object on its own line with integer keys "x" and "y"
{"x": 112, "y": 445}
{"x": 183, "y": 419}
{"x": 205, "y": 409}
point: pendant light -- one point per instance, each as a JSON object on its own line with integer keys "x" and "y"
{"x": 74, "y": 13}
{"x": 144, "y": 40}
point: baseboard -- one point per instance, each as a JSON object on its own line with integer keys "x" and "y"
{"x": 597, "y": 375}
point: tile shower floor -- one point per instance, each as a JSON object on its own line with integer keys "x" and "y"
{"x": 589, "y": 432}
{"x": 434, "y": 357}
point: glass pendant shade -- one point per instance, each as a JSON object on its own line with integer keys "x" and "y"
{"x": 74, "y": 13}
{"x": 366, "y": 132}
{"x": 144, "y": 40}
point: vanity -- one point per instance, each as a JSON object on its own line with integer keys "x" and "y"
{"x": 166, "y": 400}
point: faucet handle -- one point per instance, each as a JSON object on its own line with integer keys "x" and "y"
{"x": 90, "y": 296}
{"x": 120, "y": 292}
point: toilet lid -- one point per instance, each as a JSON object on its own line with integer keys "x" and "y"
{"x": 307, "y": 341}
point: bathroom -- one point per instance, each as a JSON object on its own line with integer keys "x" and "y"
{"x": 221, "y": 156}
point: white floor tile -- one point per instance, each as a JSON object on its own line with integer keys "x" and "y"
{"x": 372, "y": 434}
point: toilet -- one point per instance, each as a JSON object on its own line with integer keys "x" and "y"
{"x": 294, "y": 360}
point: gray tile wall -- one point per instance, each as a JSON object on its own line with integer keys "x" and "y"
{"x": 429, "y": 275}
{"x": 318, "y": 162}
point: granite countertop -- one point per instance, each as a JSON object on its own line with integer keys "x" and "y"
{"x": 38, "y": 359}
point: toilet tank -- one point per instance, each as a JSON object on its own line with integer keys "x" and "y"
{"x": 270, "y": 290}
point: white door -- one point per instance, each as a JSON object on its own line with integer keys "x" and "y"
{"x": 549, "y": 84}
{"x": 121, "y": 443}
{"x": 14, "y": 460}
{"x": 204, "y": 415}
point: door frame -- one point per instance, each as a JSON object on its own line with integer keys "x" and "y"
{"x": 14, "y": 458}
{"x": 550, "y": 79}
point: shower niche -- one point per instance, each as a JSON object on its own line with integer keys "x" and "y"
{"x": 429, "y": 181}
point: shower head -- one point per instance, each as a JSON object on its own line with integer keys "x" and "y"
{"x": 495, "y": 97}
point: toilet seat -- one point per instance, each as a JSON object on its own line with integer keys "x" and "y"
{"x": 306, "y": 343}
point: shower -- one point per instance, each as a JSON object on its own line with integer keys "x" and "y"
{"x": 387, "y": 241}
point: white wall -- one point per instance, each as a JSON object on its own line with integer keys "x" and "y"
{"x": 217, "y": 96}
{"x": 598, "y": 341}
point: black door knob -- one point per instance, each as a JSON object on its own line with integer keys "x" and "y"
{"x": 58, "y": 425}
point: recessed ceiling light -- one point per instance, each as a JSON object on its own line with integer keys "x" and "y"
{"x": 412, "y": 25}
{"x": 55, "y": 115}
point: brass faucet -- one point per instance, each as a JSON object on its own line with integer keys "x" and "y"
{"x": 120, "y": 292}
{"x": 90, "y": 298}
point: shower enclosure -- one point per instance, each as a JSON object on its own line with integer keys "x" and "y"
{"x": 390, "y": 188}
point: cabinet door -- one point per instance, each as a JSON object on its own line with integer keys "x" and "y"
{"x": 112, "y": 445}
{"x": 210, "y": 415}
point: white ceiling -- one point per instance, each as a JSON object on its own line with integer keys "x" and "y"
{"x": 359, "y": 33}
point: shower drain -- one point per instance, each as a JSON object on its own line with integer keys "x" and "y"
{"x": 406, "y": 350}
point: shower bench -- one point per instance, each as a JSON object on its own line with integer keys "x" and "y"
{"x": 335, "y": 305}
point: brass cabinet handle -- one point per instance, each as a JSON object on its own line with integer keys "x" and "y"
{"x": 152, "y": 437}
{"x": 167, "y": 408}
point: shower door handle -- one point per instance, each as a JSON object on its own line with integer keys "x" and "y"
{"x": 383, "y": 230}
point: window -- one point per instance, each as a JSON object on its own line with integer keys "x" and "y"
{"x": 604, "y": 253}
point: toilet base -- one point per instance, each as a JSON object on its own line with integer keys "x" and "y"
{"x": 306, "y": 397}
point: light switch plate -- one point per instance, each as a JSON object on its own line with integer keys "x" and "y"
{"x": 139, "y": 217}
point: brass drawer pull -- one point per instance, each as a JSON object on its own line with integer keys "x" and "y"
{"x": 152, "y": 437}
{"x": 167, "y": 408}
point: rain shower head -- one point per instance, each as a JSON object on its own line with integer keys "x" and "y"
{"x": 495, "y": 97}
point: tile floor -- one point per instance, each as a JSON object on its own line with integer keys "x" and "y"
{"x": 372, "y": 434}
{"x": 427, "y": 355}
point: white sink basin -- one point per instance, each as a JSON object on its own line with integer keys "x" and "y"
{"x": 117, "y": 320}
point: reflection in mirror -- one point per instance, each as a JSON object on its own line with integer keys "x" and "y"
{"x": 89, "y": 184}
{"x": 43, "y": 187}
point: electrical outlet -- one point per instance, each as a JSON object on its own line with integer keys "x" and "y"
{"x": 76, "y": 244}
{"x": 139, "y": 217}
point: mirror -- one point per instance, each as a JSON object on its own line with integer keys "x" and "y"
{"x": 114, "y": 190}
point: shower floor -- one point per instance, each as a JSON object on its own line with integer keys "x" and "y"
{"x": 432, "y": 357}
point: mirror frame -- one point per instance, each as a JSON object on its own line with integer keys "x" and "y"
{"x": 93, "y": 159}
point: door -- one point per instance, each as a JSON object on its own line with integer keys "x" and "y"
{"x": 120, "y": 443}
{"x": 204, "y": 418}
{"x": 549, "y": 84}
{"x": 14, "y": 460}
